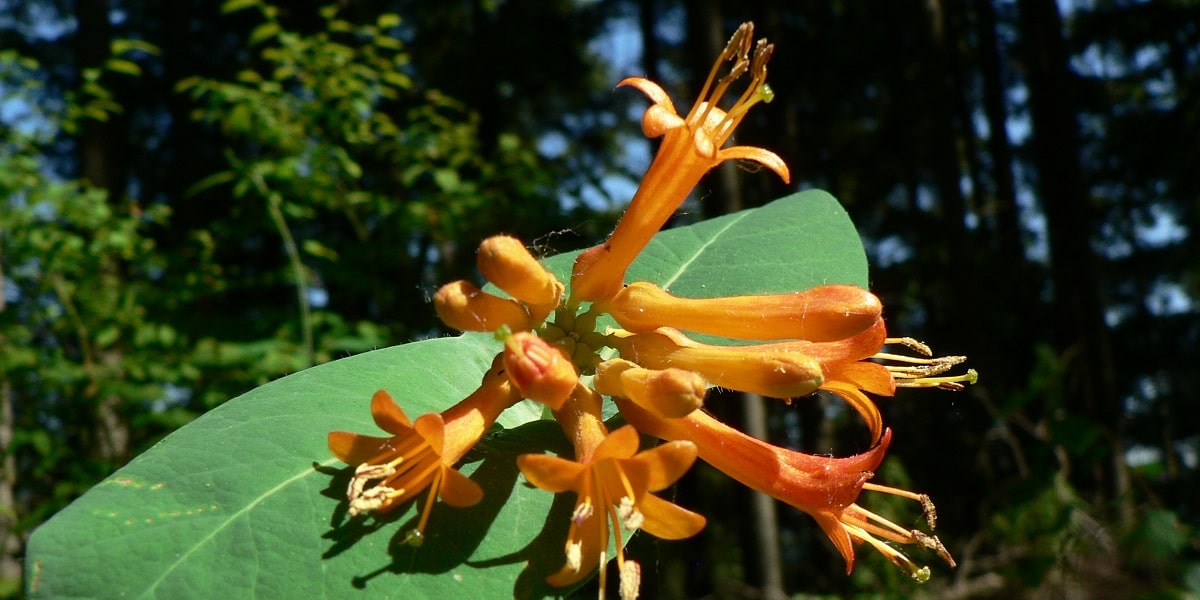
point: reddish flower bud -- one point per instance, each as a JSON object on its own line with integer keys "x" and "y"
{"x": 539, "y": 369}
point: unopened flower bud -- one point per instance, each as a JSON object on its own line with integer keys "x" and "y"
{"x": 506, "y": 262}
{"x": 668, "y": 393}
{"x": 776, "y": 371}
{"x": 465, "y": 307}
{"x": 821, "y": 314}
{"x": 539, "y": 369}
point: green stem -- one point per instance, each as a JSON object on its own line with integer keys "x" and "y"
{"x": 289, "y": 243}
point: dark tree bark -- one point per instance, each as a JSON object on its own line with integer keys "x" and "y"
{"x": 1002, "y": 206}
{"x": 1081, "y": 334}
{"x": 100, "y": 163}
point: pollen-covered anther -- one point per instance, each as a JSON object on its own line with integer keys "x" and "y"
{"x": 465, "y": 307}
{"x": 583, "y": 511}
{"x": 631, "y": 518}
{"x": 631, "y": 580}
{"x": 372, "y": 499}
{"x": 669, "y": 393}
{"x": 574, "y": 556}
{"x": 923, "y": 371}
{"x": 367, "y": 471}
{"x": 505, "y": 262}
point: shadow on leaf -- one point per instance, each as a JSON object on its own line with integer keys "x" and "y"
{"x": 454, "y": 535}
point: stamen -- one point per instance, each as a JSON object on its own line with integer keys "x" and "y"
{"x": 373, "y": 499}
{"x": 604, "y": 571}
{"x": 931, "y": 542}
{"x": 415, "y": 537}
{"x": 630, "y": 516}
{"x": 731, "y": 52}
{"x": 954, "y": 383}
{"x": 368, "y": 472}
{"x": 574, "y": 555}
{"x": 911, "y": 344}
{"x": 583, "y": 511}
{"x": 920, "y": 574}
{"x": 926, "y": 503}
{"x": 941, "y": 360}
{"x": 860, "y": 517}
{"x": 631, "y": 580}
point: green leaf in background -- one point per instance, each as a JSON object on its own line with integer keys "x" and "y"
{"x": 246, "y": 501}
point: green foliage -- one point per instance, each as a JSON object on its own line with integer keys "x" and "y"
{"x": 252, "y": 482}
{"x": 78, "y": 270}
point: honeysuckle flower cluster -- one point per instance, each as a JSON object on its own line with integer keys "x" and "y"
{"x": 830, "y": 337}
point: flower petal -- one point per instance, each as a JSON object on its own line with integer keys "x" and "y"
{"x": 388, "y": 415}
{"x": 431, "y": 427}
{"x": 652, "y": 90}
{"x": 665, "y": 464}
{"x": 761, "y": 156}
{"x": 838, "y": 535}
{"x": 860, "y": 402}
{"x": 668, "y": 521}
{"x": 856, "y": 347}
{"x": 355, "y": 448}
{"x": 869, "y": 376}
{"x": 459, "y": 490}
{"x": 622, "y": 443}
{"x": 550, "y": 473}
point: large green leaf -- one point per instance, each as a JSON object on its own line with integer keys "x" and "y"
{"x": 246, "y": 501}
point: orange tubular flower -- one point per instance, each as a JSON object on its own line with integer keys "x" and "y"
{"x": 505, "y": 262}
{"x": 612, "y": 481}
{"x": 691, "y": 146}
{"x": 420, "y": 455}
{"x": 666, "y": 393}
{"x": 826, "y": 488}
{"x": 774, "y": 370}
{"x": 465, "y": 307}
{"x": 821, "y": 314}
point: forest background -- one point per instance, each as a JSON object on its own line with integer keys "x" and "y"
{"x": 198, "y": 198}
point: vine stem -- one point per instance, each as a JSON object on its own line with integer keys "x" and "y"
{"x": 274, "y": 206}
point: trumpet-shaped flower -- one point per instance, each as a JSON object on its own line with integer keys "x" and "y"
{"x": 821, "y": 314}
{"x": 826, "y": 488}
{"x": 420, "y": 455}
{"x": 692, "y": 145}
{"x": 612, "y": 482}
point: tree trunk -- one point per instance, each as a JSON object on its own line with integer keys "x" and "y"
{"x": 10, "y": 540}
{"x": 1002, "y": 206}
{"x": 99, "y": 147}
{"x": 1081, "y": 334}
